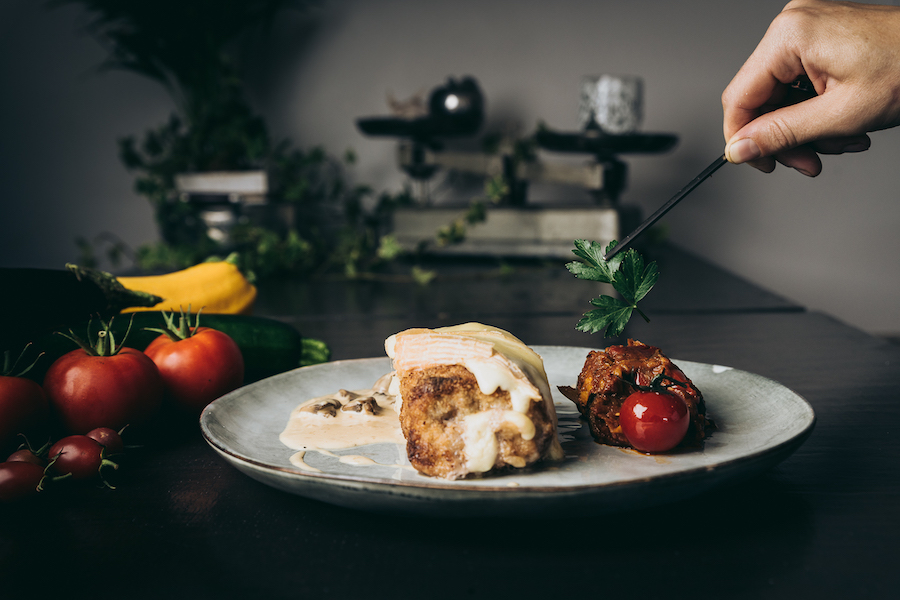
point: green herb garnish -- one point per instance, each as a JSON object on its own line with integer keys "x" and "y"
{"x": 627, "y": 274}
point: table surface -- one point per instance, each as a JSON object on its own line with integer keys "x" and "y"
{"x": 182, "y": 523}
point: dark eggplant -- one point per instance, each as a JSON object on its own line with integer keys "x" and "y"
{"x": 34, "y": 302}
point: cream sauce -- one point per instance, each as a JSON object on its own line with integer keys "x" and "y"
{"x": 297, "y": 461}
{"x": 345, "y": 419}
{"x": 357, "y": 460}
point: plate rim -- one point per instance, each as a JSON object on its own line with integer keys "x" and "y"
{"x": 785, "y": 447}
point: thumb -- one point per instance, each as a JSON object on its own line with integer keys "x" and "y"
{"x": 774, "y": 133}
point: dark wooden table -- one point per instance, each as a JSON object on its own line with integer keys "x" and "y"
{"x": 824, "y": 523}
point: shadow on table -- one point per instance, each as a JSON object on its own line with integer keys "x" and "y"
{"x": 318, "y": 550}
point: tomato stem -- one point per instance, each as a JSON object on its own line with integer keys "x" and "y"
{"x": 9, "y": 365}
{"x": 41, "y": 452}
{"x": 660, "y": 383}
{"x": 183, "y": 330}
{"x": 105, "y": 462}
{"x": 105, "y": 344}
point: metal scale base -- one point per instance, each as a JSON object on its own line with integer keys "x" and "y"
{"x": 526, "y": 232}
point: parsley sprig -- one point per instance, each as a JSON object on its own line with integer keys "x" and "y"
{"x": 627, "y": 273}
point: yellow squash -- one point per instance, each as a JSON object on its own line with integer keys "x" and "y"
{"x": 214, "y": 287}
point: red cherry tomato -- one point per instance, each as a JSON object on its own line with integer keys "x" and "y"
{"x": 19, "y": 480}
{"x": 26, "y": 455}
{"x": 108, "y": 438}
{"x": 198, "y": 369}
{"x": 23, "y": 405}
{"x": 654, "y": 421}
{"x": 103, "y": 391}
{"x": 77, "y": 455}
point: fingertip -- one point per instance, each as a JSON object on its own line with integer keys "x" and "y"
{"x": 741, "y": 151}
{"x": 803, "y": 160}
{"x": 766, "y": 165}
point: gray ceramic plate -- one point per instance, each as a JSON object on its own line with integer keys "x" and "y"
{"x": 759, "y": 423}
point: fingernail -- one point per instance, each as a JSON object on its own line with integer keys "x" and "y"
{"x": 804, "y": 172}
{"x": 743, "y": 150}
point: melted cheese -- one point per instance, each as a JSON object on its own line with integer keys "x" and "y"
{"x": 480, "y": 439}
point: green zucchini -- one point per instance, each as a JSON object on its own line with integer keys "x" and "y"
{"x": 269, "y": 346}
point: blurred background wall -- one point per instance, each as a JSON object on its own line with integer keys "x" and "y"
{"x": 830, "y": 243}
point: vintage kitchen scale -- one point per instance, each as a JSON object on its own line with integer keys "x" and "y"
{"x": 609, "y": 114}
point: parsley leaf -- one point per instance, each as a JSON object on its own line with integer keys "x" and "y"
{"x": 629, "y": 276}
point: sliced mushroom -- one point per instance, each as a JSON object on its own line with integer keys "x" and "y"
{"x": 327, "y": 407}
{"x": 366, "y": 405}
{"x": 384, "y": 383}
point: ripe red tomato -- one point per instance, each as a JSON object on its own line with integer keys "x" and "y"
{"x": 199, "y": 368}
{"x": 23, "y": 405}
{"x": 108, "y": 438}
{"x": 19, "y": 480}
{"x": 26, "y": 455}
{"x": 87, "y": 391}
{"x": 77, "y": 455}
{"x": 654, "y": 421}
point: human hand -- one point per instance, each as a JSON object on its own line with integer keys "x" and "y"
{"x": 850, "y": 53}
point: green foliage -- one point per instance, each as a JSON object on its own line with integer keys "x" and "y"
{"x": 455, "y": 231}
{"x": 193, "y": 49}
{"x": 265, "y": 253}
{"x": 422, "y": 276}
{"x": 497, "y": 189}
{"x": 629, "y": 276}
{"x": 505, "y": 188}
{"x": 361, "y": 246}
